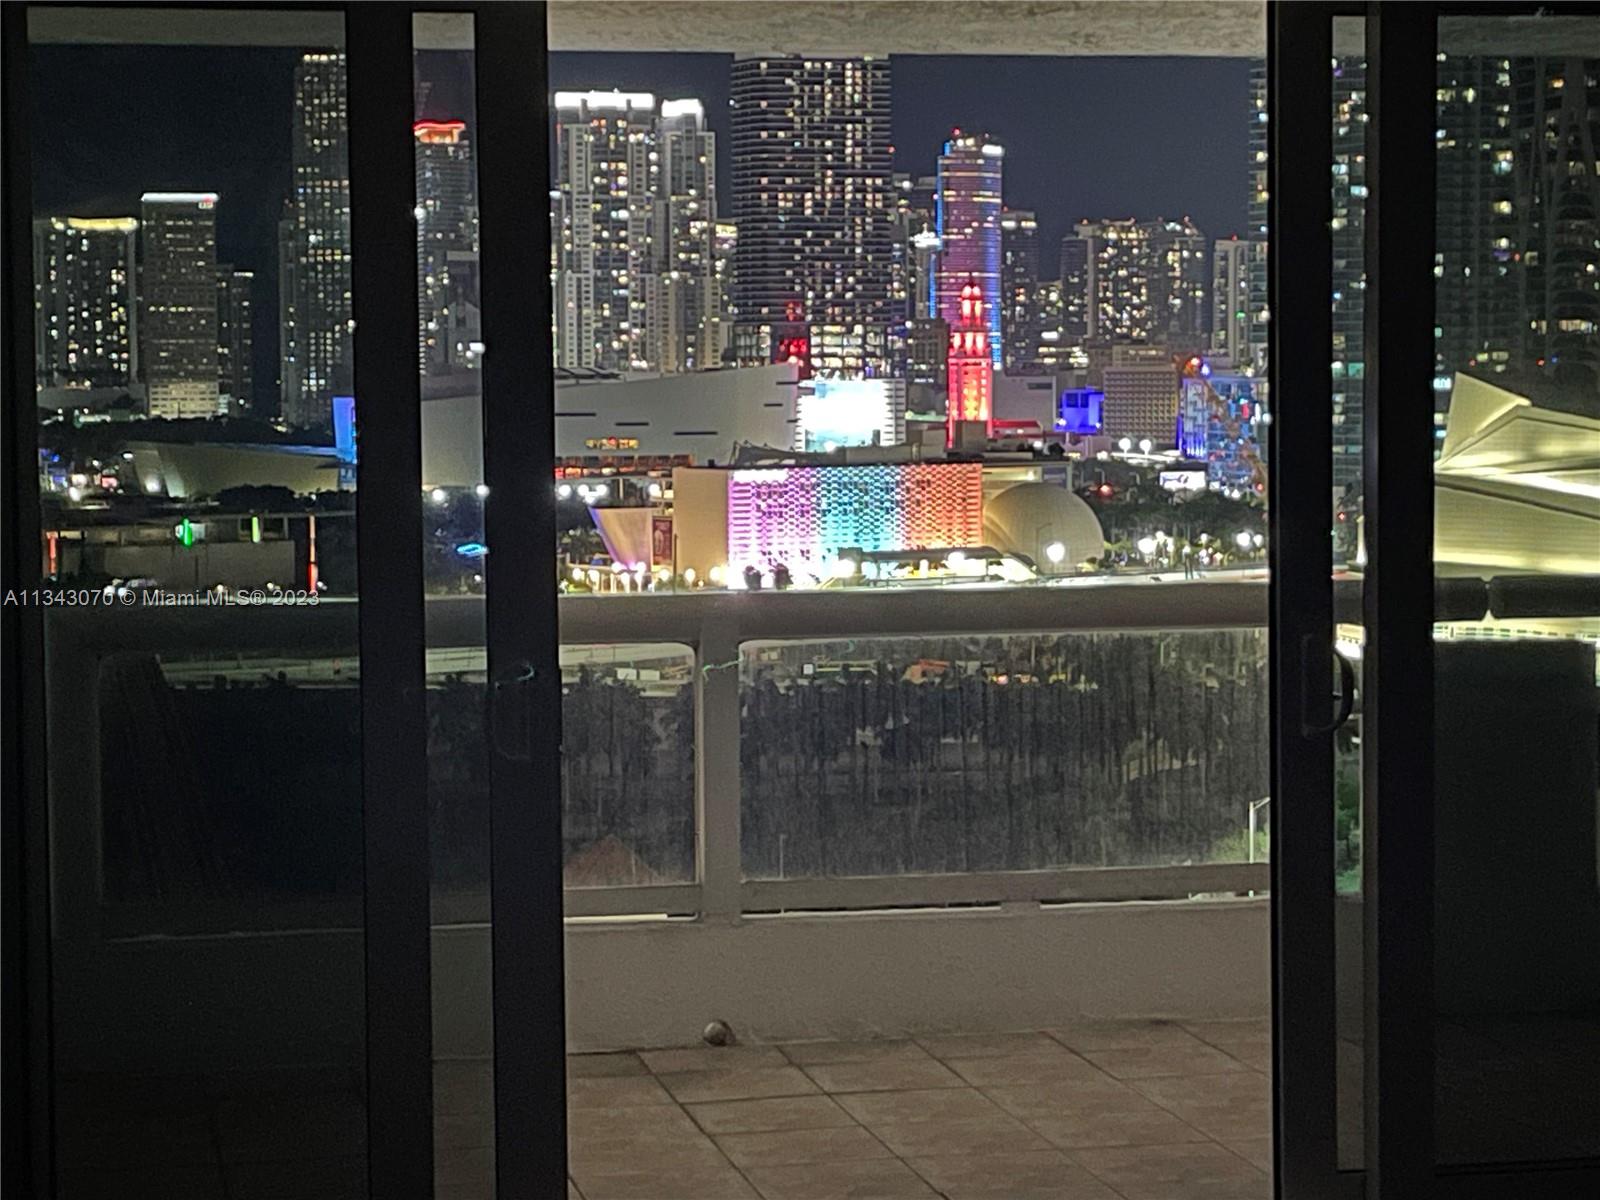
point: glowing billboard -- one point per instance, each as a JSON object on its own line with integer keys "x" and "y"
{"x": 851, "y": 412}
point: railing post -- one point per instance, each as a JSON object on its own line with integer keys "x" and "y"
{"x": 716, "y": 770}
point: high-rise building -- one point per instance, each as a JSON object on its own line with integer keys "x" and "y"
{"x": 1117, "y": 280}
{"x": 971, "y": 177}
{"x": 314, "y": 246}
{"x": 635, "y": 218}
{"x": 1019, "y": 284}
{"x": 1256, "y": 235}
{"x": 86, "y": 324}
{"x": 971, "y": 366}
{"x": 603, "y": 145}
{"x": 693, "y": 334}
{"x": 916, "y": 261}
{"x": 1073, "y": 275}
{"x": 235, "y": 340}
{"x": 1230, "y": 302}
{"x": 1053, "y": 349}
{"x": 1180, "y": 274}
{"x": 1517, "y": 263}
{"x": 178, "y": 293}
{"x": 1557, "y": 119}
{"x": 1142, "y": 281}
{"x": 446, "y": 231}
{"x": 1347, "y": 233}
{"x": 813, "y": 200}
{"x": 725, "y": 250}
{"x": 1141, "y": 395}
{"x": 927, "y": 355}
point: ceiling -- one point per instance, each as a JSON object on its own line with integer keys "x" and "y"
{"x": 1226, "y": 28}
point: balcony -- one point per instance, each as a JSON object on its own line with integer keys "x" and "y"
{"x": 1051, "y": 948}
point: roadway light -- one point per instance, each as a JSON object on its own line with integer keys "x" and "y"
{"x": 564, "y": 492}
{"x": 1147, "y": 546}
{"x": 438, "y": 495}
{"x": 481, "y": 490}
{"x": 1055, "y": 552}
{"x": 1242, "y": 540}
{"x": 1125, "y": 445}
{"x": 1144, "y": 445}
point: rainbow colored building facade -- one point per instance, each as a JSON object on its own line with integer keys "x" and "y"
{"x": 803, "y": 517}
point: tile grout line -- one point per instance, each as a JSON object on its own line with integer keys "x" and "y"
{"x": 872, "y": 1133}
{"x": 1065, "y": 1153}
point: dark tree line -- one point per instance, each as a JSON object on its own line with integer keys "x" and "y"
{"x": 1002, "y": 754}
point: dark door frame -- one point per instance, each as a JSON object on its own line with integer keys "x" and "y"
{"x": 397, "y": 952}
{"x": 1397, "y": 606}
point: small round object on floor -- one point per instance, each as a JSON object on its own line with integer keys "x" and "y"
{"x": 718, "y": 1033}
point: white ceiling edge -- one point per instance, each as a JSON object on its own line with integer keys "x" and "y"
{"x": 130, "y": 25}
{"x": 1197, "y": 28}
{"x": 1227, "y": 28}
{"x": 1209, "y": 28}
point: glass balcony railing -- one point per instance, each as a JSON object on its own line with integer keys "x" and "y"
{"x": 778, "y": 752}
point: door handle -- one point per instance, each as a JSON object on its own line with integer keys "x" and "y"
{"x": 510, "y": 718}
{"x": 1346, "y": 697}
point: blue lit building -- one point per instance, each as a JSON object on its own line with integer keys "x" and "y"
{"x": 1220, "y": 423}
{"x": 1081, "y": 411}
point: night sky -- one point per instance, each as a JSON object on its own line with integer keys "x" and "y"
{"x": 1084, "y": 137}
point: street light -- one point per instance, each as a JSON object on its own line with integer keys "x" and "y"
{"x": 1125, "y": 445}
{"x": 1144, "y": 445}
{"x": 1147, "y": 546}
{"x": 1242, "y": 540}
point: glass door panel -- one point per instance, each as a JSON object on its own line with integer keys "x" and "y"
{"x": 192, "y": 278}
{"x": 1516, "y": 465}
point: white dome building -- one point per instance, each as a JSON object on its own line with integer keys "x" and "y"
{"x": 1048, "y": 524}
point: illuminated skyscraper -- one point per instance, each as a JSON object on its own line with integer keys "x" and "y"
{"x": 178, "y": 292}
{"x": 1230, "y": 301}
{"x": 635, "y": 215}
{"x": 1116, "y": 280}
{"x": 1349, "y": 266}
{"x": 970, "y": 183}
{"x": 315, "y": 338}
{"x": 235, "y": 340}
{"x": 1142, "y": 281}
{"x": 1180, "y": 275}
{"x": 85, "y": 302}
{"x": 971, "y": 365}
{"x": 813, "y": 200}
{"x": 446, "y": 231}
{"x": 1020, "y": 322}
{"x": 692, "y": 334}
{"x": 1256, "y": 235}
{"x": 1073, "y": 276}
{"x": 604, "y": 145}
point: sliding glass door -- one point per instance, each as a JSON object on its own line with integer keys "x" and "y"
{"x": 1438, "y": 1037}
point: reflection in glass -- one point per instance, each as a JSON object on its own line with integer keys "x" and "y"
{"x": 1517, "y": 502}
{"x": 192, "y": 279}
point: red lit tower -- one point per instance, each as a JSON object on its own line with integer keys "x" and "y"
{"x": 971, "y": 367}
